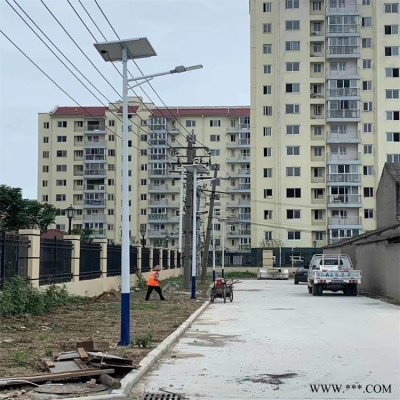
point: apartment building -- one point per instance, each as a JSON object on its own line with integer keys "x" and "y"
{"x": 324, "y": 116}
{"x": 80, "y": 164}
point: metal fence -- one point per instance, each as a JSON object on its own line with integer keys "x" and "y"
{"x": 113, "y": 260}
{"x": 55, "y": 261}
{"x": 172, "y": 263}
{"x": 133, "y": 260}
{"x": 156, "y": 257}
{"x": 165, "y": 258}
{"x": 13, "y": 256}
{"x": 145, "y": 259}
{"x": 89, "y": 266}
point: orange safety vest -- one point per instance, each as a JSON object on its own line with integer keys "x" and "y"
{"x": 153, "y": 279}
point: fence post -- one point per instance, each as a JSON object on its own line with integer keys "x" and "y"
{"x": 33, "y": 236}
{"x": 139, "y": 259}
{"x": 75, "y": 257}
{"x": 151, "y": 257}
{"x": 161, "y": 258}
{"x": 103, "y": 256}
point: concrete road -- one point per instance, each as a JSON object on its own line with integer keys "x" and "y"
{"x": 275, "y": 341}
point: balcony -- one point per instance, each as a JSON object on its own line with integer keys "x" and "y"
{"x": 164, "y": 188}
{"x": 343, "y": 92}
{"x": 348, "y": 137}
{"x": 97, "y": 127}
{"x": 314, "y": 53}
{"x": 343, "y": 51}
{"x": 239, "y": 159}
{"x": 158, "y": 142}
{"x": 344, "y": 178}
{"x": 348, "y": 7}
{"x": 240, "y": 143}
{"x": 101, "y": 143}
{"x": 350, "y": 200}
{"x": 244, "y": 247}
{"x": 356, "y": 156}
{"x": 316, "y": 95}
{"x": 318, "y": 179}
{"x": 241, "y": 187}
{"x": 164, "y": 203}
{"x": 157, "y": 157}
{"x": 158, "y": 172}
{"x": 157, "y": 233}
{"x": 343, "y": 115}
{"x": 316, "y": 33}
{"x": 318, "y": 200}
{"x": 94, "y": 203}
{"x": 98, "y": 218}
{"x": 95, "y": 157}
{"x": 347, "y": 221}
{"x": 245, "y": 232}
{"x": 245, "y": 217}
{"x": 95, "y": 173}
{"x": 94, "y": 188}
{"x": 348, "y": 73}
{"x": 239, "y": 128}
{"x": 158, "y": 217}
{"x": 98, "y": 233}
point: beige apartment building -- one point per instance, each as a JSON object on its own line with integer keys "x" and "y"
{"x": 324, "y": 116}
{"x": 80, "y": 164}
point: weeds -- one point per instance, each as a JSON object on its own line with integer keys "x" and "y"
{"x": 18, "y": 297}
{"x": 21, "y": 358}
{"x": 240, "y": 275}
{"x": 144, "y": 341}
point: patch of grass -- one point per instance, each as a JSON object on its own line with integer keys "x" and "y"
{"x": 241, "y": 275}
{"x": 49, "y": 353}
{"x": 21, "y": 358}
{"x": 18, "y": 297}
{"x": 43, "y": 336}
{"x": 144, "y": 341}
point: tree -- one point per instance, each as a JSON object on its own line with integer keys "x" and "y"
{"x": 18, "y": 213}
{"x": 85, "y": 234}
{"x": 273, "y": 243}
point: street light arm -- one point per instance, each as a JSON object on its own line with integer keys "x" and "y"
{"x": 176, "y": 70}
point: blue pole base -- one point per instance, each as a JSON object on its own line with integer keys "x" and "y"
{"x": 223, "y": 275}
{"x": 193, "y": 296}
{"x": 213, "y": 275}
{"x": 125, "y": 319}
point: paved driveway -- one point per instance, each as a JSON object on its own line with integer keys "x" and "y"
{"x": 275, "y": 340}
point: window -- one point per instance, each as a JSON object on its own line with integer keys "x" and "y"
{"x": 366, "y": 21}
{"x": 291, "y": 4}
{"x": 267, "y": 69}
{"x": 391, "y": 8}
{"x": 267, "y": 7}
{"x": 317, "y": 151}
{"x": 268, "y": 235}
{"x": 45, "y": 197}
{"x": 393, "y": 136}
{"x": 267, "y": 214}
{"x": 292, "y": 108}
{"x": 293, "y": 235}
{"x": 392, "y": 93}
{"x": 317, "y": 5}
{"x": 391, "y": 29}
{"x": 367, "y": 128}
{"x": 392, "y": 115}
{"x": 61, "y": 153}
{"x": 190, "y": 123}
{"x": 46, "y": 125}
{"x": 267, "y": 193}
{"x": 293, "y": 193}
{"x": 267, "y": 89}
{"x": 267, "y": 28}
{"x": 292, "y": 129}
{"x": 368, "y": 192}
{"x": 317, "y": 68}
{"x": 392, "y": 51}
{"x": 267, "y": 172}
{"x": 267, "y": 152}
{"x": 111, "y": 122}
{"x": 293, "y": 25}
{"x": 317, "y": 47}
{"x": 215, "y": 123}
{"x": 368, "y": 170}
{"x": 318, "y": 214}
{"x": 292, "y": 87}
{"x": 267, "y": 48}
{"x": 292, "y": 66}
{"x": 61, "y": 168}
{"x": 367, "y": 85}
{"x": 368, "y": 213}
{"x": 110, "y": 197}
{"x": 214, "y": 138}
{"x": 45, "y": 139}
{"x": 366, "y": 43}
{"x": 45, "y": 183}
{"x": 61, "y": 182}
{"x": 318, "y": 130}
{"x": 368, "y": 149}
{"x": 292, "y": 171}
{"x": 267, "y": 131}
{"x": 267, "y": 110}
{"x": 62, "y": 124}
{"x": 61, "y": 139}
{"x": 61, "y": 197}
{"x": 292, "y": 46}
{"x": 293, "y": 150}
{"x": 366, "y": 2}
{"x": 392, "y": 72}
{"x": 293, "y": 214}
{"x": 319, "y": 235}
{"x": 215, "y": 152}
{"x": 393, "y": 158}
{"x": 367, "y": 106}
{"x": 367, "y": 64}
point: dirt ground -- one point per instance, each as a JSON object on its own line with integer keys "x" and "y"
{"x": 24, "y": 341}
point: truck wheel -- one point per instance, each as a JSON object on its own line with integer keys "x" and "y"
{"x": 309, "y": 289}
{"x": 354, "y": 290}
{"x": 296, "y": 282}
{"x": 319, "y": 290}
{"x": 314, "y": 289}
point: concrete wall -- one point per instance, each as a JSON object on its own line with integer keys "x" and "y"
{"x": 386, "y": 200}
{"x": 380, "y": 265}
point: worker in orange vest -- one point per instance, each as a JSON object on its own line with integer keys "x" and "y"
{"x": 153, "y": 283}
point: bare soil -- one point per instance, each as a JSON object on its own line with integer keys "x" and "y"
{"x": 24, "y": 341}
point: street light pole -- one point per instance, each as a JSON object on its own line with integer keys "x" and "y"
{"x": 223, "y": 248}
{"x": 71, "y": 212}
{"x": 194, "y": 234}
{"x": 181, "y": 214}
{"x": 213, "y": 251}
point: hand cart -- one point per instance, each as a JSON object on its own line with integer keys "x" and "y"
{"x": 222, "y": 289}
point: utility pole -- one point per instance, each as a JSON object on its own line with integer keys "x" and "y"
{"x": 204, "y": 259}
{"x": 187, "y": 221}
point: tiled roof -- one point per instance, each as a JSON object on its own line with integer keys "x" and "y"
{"x": 79, "y": 112}
{"x": 202, "y": 112}
{"x": 131, "y": 109}
{"x": 394, "y": 170}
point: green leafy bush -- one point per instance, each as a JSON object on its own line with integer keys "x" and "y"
{"x": 18, "y": 297}
{"x": 144, "y": 341}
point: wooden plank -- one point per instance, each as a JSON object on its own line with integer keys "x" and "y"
{"x": 16, "y": 380}
{"x": 65, "y": 366}
{"x": 110, "y": 357}
{"x": 82, "y": 353}
{"x": 91, "y": 345}
{"x": 68, "y": 355}
{"x": 80, "y": 363}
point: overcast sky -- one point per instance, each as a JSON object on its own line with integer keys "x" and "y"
{"x": 214, "y": 33}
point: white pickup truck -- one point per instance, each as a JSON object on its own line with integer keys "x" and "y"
{"x": 332, "y": 272}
